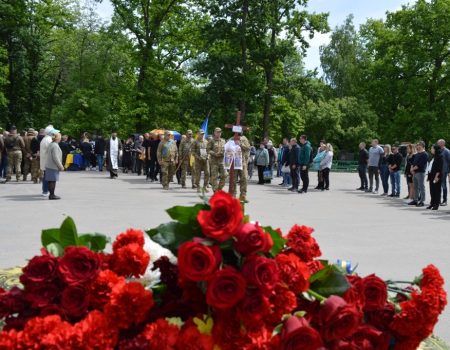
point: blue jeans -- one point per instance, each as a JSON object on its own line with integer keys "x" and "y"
{"x": 86, "y": 162}
{"x": 384, "y": 172}
{"x": 100, "y": 162}
{"x": 444, "y": 186}
{"x": 286, "y": 179}
{"x": 44, "y": 184}
{"x": 395, "y": 182}
{"x": 4, "y": 165}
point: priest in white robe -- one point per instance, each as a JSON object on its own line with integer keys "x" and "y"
{"x": 113, "y": 148}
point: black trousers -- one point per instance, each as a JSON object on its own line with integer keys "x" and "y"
{"x": 294, "y": 177}
{"x": 373, "y": 171}
{"x": 139, "y": 166}
{"x": 261, "y": 174}
{"x": 325, "y": 184}
{"x": 304, "y": 174}
{"x": 362, "y": 172}
{"x": 152, "y": 169}
{"x": 435, "y": 193}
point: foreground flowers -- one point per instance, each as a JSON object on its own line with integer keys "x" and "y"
{"x": 236, "y": 285}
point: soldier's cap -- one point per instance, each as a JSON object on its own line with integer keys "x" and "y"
{"x": 31, "y": 131}
{"x": 217, "y": 130}
{"x": 189, "y": 132}
{"x": 201, "y": 131}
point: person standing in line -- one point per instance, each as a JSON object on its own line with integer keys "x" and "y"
{"x": 34, "y": 146}
{"x": 282, "y": 153}
{"x": 139, "y": 155}
{"x": 127, "y": 154}
{"x": 53, "y": 165}
{"x": 146, "y": 158}
{"x": 321, "y": 152}
{"x": 395, "y": 161}
{"x": 216, "y": 152}
{"x": 14, "y": 147}
{"x": 286, "y": 168}
{"x": 100, "y": 152}
{"x": 410, "y": 154}
{"x": 65, "y": 147}
{"x": 363, "y": 159}
{"x": 262, "y": 161}
{"x": 293, "y": 160}
{"x": 272, "y": 159}
{"x": 418, "y": 169}
{"x": 384, "y": 169}
{"x": 279, "y": 158}
{"x": 113, "y": 148}
{"x": 27, "y": 153}
{"x": 185, "y": 159}
{"x": 325, "y": 167}
{"x": 43, "y": 148}
{"x": 153, "y": 158}
{"x": 241, "y": 175}
{"x": 86, "y": 149}
{"x": 251, "y": 160}
{"x": 445, "y": 152}
{"x": 167, "y": 154}
{"x": 200, "y": 153}
{"x": 374, "y": 161}
{"x": 435, "y": 177}
{"x": 304, "y": 161}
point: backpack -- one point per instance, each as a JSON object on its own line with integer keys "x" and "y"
{"x": 10, "y": 142}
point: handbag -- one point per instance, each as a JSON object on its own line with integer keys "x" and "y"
{"x": 285, "y": 169}
{"x": 142, "y": 156}
{"x": 267, "y": 174}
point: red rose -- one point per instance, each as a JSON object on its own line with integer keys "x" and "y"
{"x": 251, "y": 238}
{"x": 254, "y": 306}
{"x": 78, "y": 265}
{"x": 75, "y": 300}
{"x": 293, "y": 272}
{"x": 375, "y": 293}
{"x": 297, "y": 334}
{"x": 300, "y": 240}
{"x": 381, "y": 319}
{"x": 223, "y": 219}
{"x": 338, "y": 319}
{"x": 261, "y": 272}
{"x": 42, "y": 294}
{"x": 355, "y": 294}
{"x": 129, "y": 304}
{"x": 197, "y": 262}
{"x": 40, "y": 269}
{"x": 367, "y": 337}
{"x": 129, "y": 237}
{"x": 225, "y": 288}
{"x": 130, "y": 260}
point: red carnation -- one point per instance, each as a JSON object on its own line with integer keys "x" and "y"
{"x": 375, "y": 293}
{"x": 191, "y": 339}
{"x": 79, "y": 265}
{"x": 129, "y": 237}
{"x": 225, "y": 288}
{"x": 338, "y": 319}
{"x": 161, "y": 335}
{"x": 197, "y": 261}
{"x": 100, "y": 289}
{"x": 75, "y": 300}
{"x": 283, "y": 301}
{"x": 293, "y": 272}
{"x": 39, "y": 269}
{"x": 300, "y": 240}
{"x": 251, "y": 238}
{"x": 261, "y": 272}
{"x": 228, "y": 332}
{"x": 223, "y": 219}
{"x": 298, "y": 334}
{"x": 130, "y": 260}
{"x": 129, "y": 304}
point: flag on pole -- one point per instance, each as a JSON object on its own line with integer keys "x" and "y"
{"x": 204, "y": 126}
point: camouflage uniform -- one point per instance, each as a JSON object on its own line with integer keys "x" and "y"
{"x": 216, "y": 150}
{"x": 35, "y": 160}
{"x": 242, "y": 175}
{"x": 14, "y": 145}
{"x": 167, "y": 155}
{"x": 201, "y": 163}
{"x": 27, "y": 159}
{"x": 185, "y": 160}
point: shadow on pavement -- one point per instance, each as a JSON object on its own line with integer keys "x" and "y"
{"x": 25, "y": 197}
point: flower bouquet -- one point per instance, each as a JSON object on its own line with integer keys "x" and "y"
{"x": 215, "y": 281}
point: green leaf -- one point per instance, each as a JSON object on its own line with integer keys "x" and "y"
{"x": 186, "y": 215}
{"x": 68, "y": 233}
{"x": 50, "y": 235}
{"x": 173, "y": 234}
{"x": 96, "y": 242}
{"x": 278, "y": 241}
{"x": 55, "y": 249}
{"x": 329, "y": 281}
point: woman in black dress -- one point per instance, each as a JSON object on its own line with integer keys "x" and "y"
{"x": 410, "y": 153}
{"x": 435, "y": 178}
{"x": 127, "y": 160}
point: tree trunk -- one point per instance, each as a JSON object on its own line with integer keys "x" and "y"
{"x": 51, "y": 100}
{"x": 139, "y": 125}
{"x": 242, "y": 102}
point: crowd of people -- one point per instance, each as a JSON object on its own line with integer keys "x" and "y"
{"x": 386, "y": 164}
{"x": 161, "y": 157}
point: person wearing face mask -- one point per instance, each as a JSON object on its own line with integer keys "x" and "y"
{"x": 113, "y": 148}
{"x": 262, "y": 161}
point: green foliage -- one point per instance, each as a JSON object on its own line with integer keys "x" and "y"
{"x": 278, "y": 241}
{"x": 56, "y": 239}
{"x": 329, "y": 281}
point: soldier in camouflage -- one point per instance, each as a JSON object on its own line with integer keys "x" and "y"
{"x": 185, "y": 158}
{"x": 27, "y": 153}
{"x": 200, "y": 153}
{"x": 242, "y": 175}
{"x": 167, "y": 155}
{"x": 216, "y": 150}
{"x": 14, "y": 145}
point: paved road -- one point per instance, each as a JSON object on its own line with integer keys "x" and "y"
{"x": 382, "y": 235}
